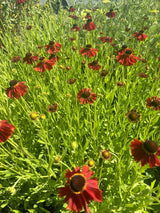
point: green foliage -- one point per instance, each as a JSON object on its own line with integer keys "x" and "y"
{"x": 29, "y": 176}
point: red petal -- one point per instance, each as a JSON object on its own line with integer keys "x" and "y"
{"x": 95, "y": 193}
{"x": 85, "y": 169}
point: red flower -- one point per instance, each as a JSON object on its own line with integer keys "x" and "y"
{"x": 0, "y": 46}
{"x": 88, "y": 51}
{"x": 80, "y": 189}
{"x": 53, "y": 47}
{"x": 146, "y": 152}
{"x": 75, "y": 28}
{"x": 16, "y": 89}
{"x": 53, "y": 58}
{"x": 15, "y": 58}
{"x": 44, "y": 64}
{"x": 85, "y": 96}
{"x": 74, "y": 16}
{"x": 29, "y": 58}
{"x": 125, "y": 57}
{"x": 106, "y": 39}
{"x": 111, "y": 14}
{"x": 154, "y": 102}
{"x": 94, "y": 65}
{"x": 140, "y": 36}
{"x": 71, "y": 9}
{"x": 6, "y": 130}
{"x": 89, "y": 25}
{"x": 20, "y": 1}
{"x": 88, "y": 16}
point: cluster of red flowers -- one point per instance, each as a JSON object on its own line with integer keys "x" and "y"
{"x": 80, "y": 188}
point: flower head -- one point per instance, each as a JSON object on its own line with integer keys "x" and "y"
{"x": 44, "y": 64}
{"x": 71, "y": 9}
{"x": 146, "y": 152}
{"x": 28, "y": 27}
{"x": 140, "y": 36}
{"x": 6, "y": 130}
{"x": 94, "y": 65}
{"x": 133, "y": 116}
{"x": 20, "y": 1}
{"x": 16, "y": 89}
{"x": 106, "y": 39}
{"x": 53, "y": 47}
{"x": 103, "y": 73}
{"x": 53, "y": 58}
{"x": 80, "y": 189}
{"x": 15, "y": 58}
{"x": 105, "y": 154}
{"x": 89, "y": 25}
{"x": 153, "y": 102}
{"x": 88, "y": 51}
{"x": 52, "y": 107}
{"x": 34, "y": 115}
{"x": 75, "y": 28}
{"x": 42, "y": 117}
{"x": 111, "y": 14}
{"x": 142, "y": 75}
{"x": 90, "y": 163}
{"x": 29, "y": 58}
{"x": 85, "y": 96}
{"x": 126, "y": 57}
{"x": 71, "y": 81}
{"x": 88, "y": 16}
{"x": 120, "y": 84}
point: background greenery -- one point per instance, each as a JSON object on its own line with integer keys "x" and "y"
{"x": 29, "y": 176}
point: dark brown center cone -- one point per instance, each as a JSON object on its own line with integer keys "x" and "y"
{"x": 85, "y": 94}
{"x": 150, "y": 146}
{"x": 133, "y": 116}
{"x": 13, "y": 83}
{"x": 128, "y": 52}
{"x": 155, "y": 103}
{"x": 77, "y": 183}
{"x": 28, "y": 54}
